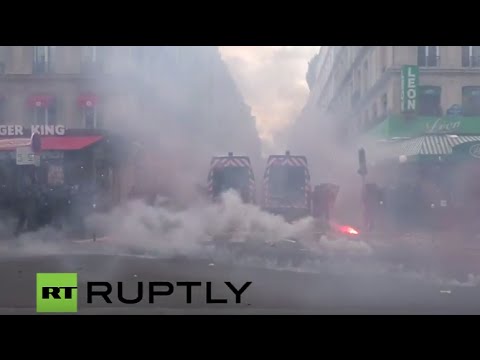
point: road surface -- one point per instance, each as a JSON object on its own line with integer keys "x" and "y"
{"x": 271, "y": 291}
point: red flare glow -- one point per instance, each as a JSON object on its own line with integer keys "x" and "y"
{"x": 345, "y": 229}
{"x": 348, "y": 230}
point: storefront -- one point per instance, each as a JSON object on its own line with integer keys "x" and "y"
{"x": 430, "y": 180}
{"x": 83, "y": 158}
{"x": 400, "y": 127}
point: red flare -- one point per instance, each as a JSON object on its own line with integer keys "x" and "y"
{"x": 348, "y": 230}
{"x": 345, "y": 229}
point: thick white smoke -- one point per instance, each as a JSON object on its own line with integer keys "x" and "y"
{"x": 181, "y": 128}
{"x": 171, "y": 232}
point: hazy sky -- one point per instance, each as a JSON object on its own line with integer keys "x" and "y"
{"x": 272, "y": 81}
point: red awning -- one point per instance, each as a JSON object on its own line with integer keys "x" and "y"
{"x": 40, "y": 100}
{"x": 13, "y": 144}
{"x": 87, "y": 100}
{"x": 68, "y": 142}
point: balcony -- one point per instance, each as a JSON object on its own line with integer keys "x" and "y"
{"x": 471, "y": 61}
{"x": 429, "y": 61}
{"x": 91, "y": 67}
{"x": 42, "y": 67}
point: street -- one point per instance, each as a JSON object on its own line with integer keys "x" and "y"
{"x": 357, "y": 288}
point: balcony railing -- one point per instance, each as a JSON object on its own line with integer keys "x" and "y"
{"x": 42, "y": 67}
{"x": 429, "y": 61}
{"x": 91, "y": 67}
{"x": 471, "y": 61}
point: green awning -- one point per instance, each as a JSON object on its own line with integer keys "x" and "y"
{"x": 434, "y": 144}
{"x": 422, "y": 146}
{"x": 399, "y": 127}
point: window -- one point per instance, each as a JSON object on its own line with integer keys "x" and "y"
{"x": 55, "y": 173}
{"x": 92, "y": 57}
{"x": 384, "y": 104}
{"x": 90, "y": 117}
{"x": 428, "y": 56}
{"x": 139, "y": 55}
{"x": 383, "y": 58}
{"x": 44, "y": 112}
{"x": 226, "y": 178}
{"x": 471, "y": 56}
{"x": 471, "y": 100}
{"x": 357, "y": 81}
{"x": 365, "y": 77}
{"x": 3, "y": 58}
{"x": 43, "y": 59}
{"x": 89, "y": 54}
{"x": 88, "y": 110}
{"x": 429, "y": 101}
{"x": 2, "y": 110}
{"x": 374, "y": 112}
{"x": 287, "y": 182}
{"x": 373, "y": 67}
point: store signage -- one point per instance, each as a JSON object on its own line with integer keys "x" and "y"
{"x": 45, "y": 130}
{"x": 409, "y": 88}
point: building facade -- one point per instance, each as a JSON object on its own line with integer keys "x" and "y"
{"x": 177, "y": 100}
{"x": 68, "y": 85}
{"x": 358, "y": 87}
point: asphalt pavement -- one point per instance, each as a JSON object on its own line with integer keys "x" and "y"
{"x": 271, "y": 291}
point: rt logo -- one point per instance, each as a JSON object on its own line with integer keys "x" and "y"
{"x": 57, "y": 293}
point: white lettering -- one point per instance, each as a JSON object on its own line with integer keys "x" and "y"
{"x": 49, "y": 130}
{"x": 408, "y": 89}
{"x": 411, "y": 104}
{"x": 60, "y": 130}
{"x": 19, "y": 130}
{"x": 36, "y": 129}
{"x": 402, "y": 93}
{"x": 445, "y": 126}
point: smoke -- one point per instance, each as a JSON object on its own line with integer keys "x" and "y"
{"x": 275, "y": 99}
{"x": 190, "y": 109}
{"x": 169, "y": 232}
{"x": 182, "y": 106}
{"x": 331, "y": 157}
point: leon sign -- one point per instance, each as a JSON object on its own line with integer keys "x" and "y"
{"x": 409, "y": 88}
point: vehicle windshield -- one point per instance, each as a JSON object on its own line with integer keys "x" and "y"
{"x": 287, "y": 182}
{"x": 226, "y": 178}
